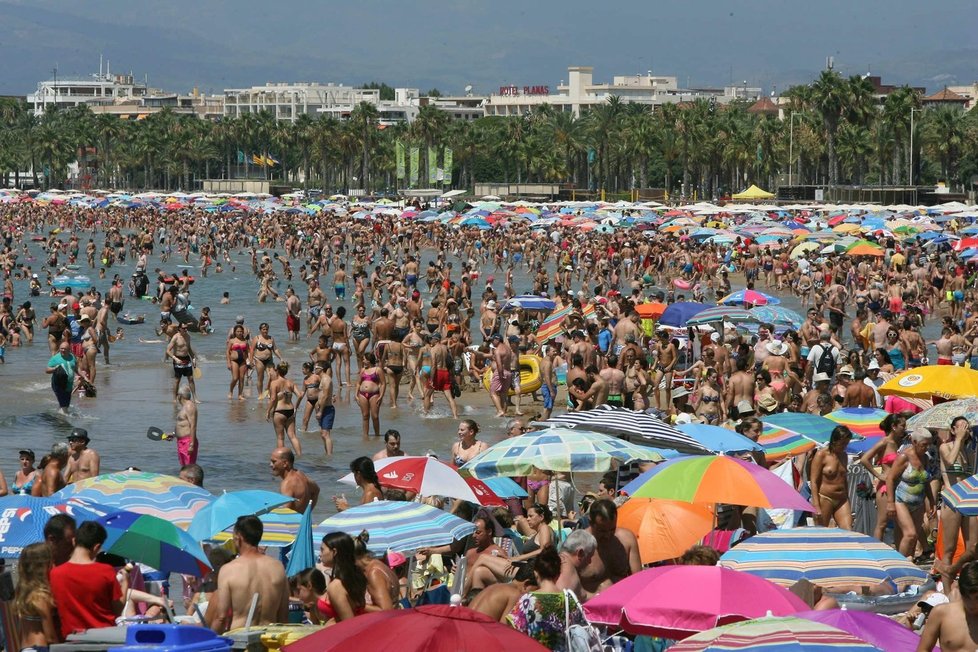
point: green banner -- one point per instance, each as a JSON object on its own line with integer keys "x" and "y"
{"x": 447, "y": 164}
{"x": 415, "y": 165}
{"x": 432, "y": 165}
{"x": 399, "y": 155}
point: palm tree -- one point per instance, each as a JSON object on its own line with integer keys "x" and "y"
{"x": 944, "y": 130}
{"x": 364, "y": 120}
{"x": 896, "y": 113}
{"x": 828, "y": 98}
{"x": 603, "y": 122}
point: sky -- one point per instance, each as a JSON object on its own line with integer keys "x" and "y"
{"x": 450, "y": 44}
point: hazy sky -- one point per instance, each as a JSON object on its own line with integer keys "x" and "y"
{"x": 214, "y": 44}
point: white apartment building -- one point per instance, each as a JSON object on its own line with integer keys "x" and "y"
{"x": 287, "y": 101}
{"x": 580, "y": 93}
{"x": 68, "y": 92}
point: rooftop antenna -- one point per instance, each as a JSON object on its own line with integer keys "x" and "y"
{"x": 100, "y": 65}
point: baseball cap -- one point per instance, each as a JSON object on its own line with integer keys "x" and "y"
{"x": 873, "y": 364}
{"x": 933, "y": 600}
{"x": 78, "y": 433}
{"x": 27, "y": 453}
{"x": 76, "y": 306}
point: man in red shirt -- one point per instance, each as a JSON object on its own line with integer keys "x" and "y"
{"x": 87, "y": 592}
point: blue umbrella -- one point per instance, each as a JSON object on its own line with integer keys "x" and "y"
{"x": 22, "y": 519}
{"x": 778, "y": 316}
{"x": 530, "y": 302}
{"x": 395, "y": 525}
{"x": 505, "y": 487}
{"x": 732, "y": 314}
{"x": 225, "y": 510}
{"x": 303, "y": 555}
{"x": 717, "y": 439}
{"x": 677, "y": 314}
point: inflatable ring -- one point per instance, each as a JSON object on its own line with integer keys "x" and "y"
{"x": 530, "y": 378}
{"x": 682, "y": 284}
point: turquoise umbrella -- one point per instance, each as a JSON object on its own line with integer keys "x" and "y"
{"x": 226, "y": 508}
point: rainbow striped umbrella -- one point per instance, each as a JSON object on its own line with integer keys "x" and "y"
{"x": 787, "y": 634}
{"x": 829, "y": 557}
{"x": 864, "y": 422}
{"x": 164, "y": 496}
{"x": 395, "y": 525}
{"x": 963, "y": 496}
{"x": 941, "y": 415}
{"x": 281, "y": 525}
{"x": 553, "y": 325}
{"x": 793, "y": 433}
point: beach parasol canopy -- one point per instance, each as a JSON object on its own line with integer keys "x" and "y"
{"x": 778, "y": 316}
{"x": 427, "y": 476}
{"x": 941, "y": 415}
{"x": 944, "y": 381}
{"x": 555, "y": 449}
{"x": 716, "y": 479}
{"x": 429, "y": 628}
{"x": 715, "y": 314}
{"x": 164, "y": 496}
{"x": 719, "y": 440}
{"x": 397, "y": 525}
{"x": 752, "y": 297}
{"x": 885, "y": 633}
{"x": 638, "y": 426}
{"x": 793, "y": 433}
{"x": 222, "y": 512}
{"x": 864, "y": 422}
{"x": 665, "y": 529}
{"x": 962, "y": 496}
{"x": 650, "y": 310}
{"x": 752, "y": 193}
{"x": 279, "y": 528}
{"x": 676, "y": 602}
{"x": 788, "y": 634}
{"x": 22, "y": 519}
{"x": 837, "y": 560}
{"x": 153, "y": 541}
{"x": 677, "y": 314}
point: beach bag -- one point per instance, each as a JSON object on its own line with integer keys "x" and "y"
{"x": 580, "y": 638}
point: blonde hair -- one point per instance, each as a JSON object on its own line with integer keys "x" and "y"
{"x": 33, "y": 583}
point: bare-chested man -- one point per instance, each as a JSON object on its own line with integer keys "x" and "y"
{"x": 497, "y": 600}
{"x": 623, "y": 329}
{"x": 83, "y": 462}
{"x": 441, "y": 376}
{"x": 293, "y": 308}
{"x": 252, "y": 572}
{"x": 314, "y": 301}
{"x": 181, "y": 353}
{"x": 954, "y": 626}
{"x": 617, "y": 550}
{"x": 51, "y": 479}
{"x": 576, "y": 553}
{"x": 295, "y": 483}
{"x": 186, "y": 428}
{"x": 829, "y": 481}
{"x": 666, "y": 363}
{"x": 740, "y": 387}
{"x": 502, "y": 375}
{"x": 614, "y": 379}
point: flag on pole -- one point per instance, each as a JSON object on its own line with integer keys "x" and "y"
{"x": 432, "y": 165}
{"x": 399, "y": 156}
{"x": 415, "y": 165}
{"x": 447, "y": 164}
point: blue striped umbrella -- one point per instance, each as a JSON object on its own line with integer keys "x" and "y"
{"x": 829, "y": 557}
{"x": 555, "y": 449}
{"x": 395, "y": 525}
{"x": 777, "y": 315}
{"x": 963, "y": 496}
{"x": 731, "y": 314}
{"x": 22, "y": 519}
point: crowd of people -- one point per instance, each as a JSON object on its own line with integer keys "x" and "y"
{"x": 403, "y": 311}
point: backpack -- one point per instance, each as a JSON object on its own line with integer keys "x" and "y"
{"x": 826, "y": 362}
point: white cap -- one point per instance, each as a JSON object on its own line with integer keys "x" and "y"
{"x": 873, "y": 364}
{"x": 934, "y": 600}
{"x": 714, "y": 336}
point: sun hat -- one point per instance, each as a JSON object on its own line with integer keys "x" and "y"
{"x": 78, "y": 433}
{"x": 820, "y": 377}
{"x": 776, "y": 347}
{"x": 744, "y": 407}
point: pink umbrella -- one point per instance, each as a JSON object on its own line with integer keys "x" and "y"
{"x": 679, "y": 601}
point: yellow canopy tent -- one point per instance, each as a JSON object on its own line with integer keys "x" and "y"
{"x": 754, "y": 193}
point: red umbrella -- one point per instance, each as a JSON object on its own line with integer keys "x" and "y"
{"x": 431, "y": 628}
{"x": 430, "y": 477}
{"x": 965, "y": 243}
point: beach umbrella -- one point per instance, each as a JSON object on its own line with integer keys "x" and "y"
{"x": 398, "y": 525}
{"x": 716, "y": 479}
{"x": 429, "y": 628}
{"x": 153, "y": 541}
{"x": 749, "y": 296}
{"x": 720, "y": 314}
{"x": 717, "y": 439}
{"x": 279, "y": 528}
{"x": 555, "y": 449}
{"x": 142, "y": 492}
{"x": 945, "y": 381}
{"x": 303, "y": 554}
{"x": 787, "y": 634}
{"x": 811, "y": 427}
{"x": 677, "y": 314}
{"x": 529, "y": 302}
{"x": 22, "y": 519}
{"x": 505, "y": 487}
{"x": 650, "y": 310}
{"x": 940, "y": 415}
{"x": 777, "y": 315}
{"x": 801, "y": 249}
{"x": 428, "y": 476}
{"x": 222, "y": 512}
{"x": 864, "y": 249}
{"x": 962, "y": 496}
{"x": 676, "y": 602}
{"x": 665, "y": 529}
{"x": 885, "y": 633}
{"x": 837, "y": 560}
{"x": 864, "y": 422}
{"x": 638, "y": 426}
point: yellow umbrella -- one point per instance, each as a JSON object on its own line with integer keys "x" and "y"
{"x": 802, "y": 248}
{"x": 945, "y": 381}
{"x": 846, "y": 228}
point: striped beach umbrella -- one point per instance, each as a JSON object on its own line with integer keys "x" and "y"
{"x": 280, "y": 527}
{"x": 777, "y": 315}
{"x": 832, "y": 558}
{"x": 963, "y": 496}
{"x": 793, "y": 433}
{"x": 555, "y": 449}
{"x": 396, "y": 525}
{"x": 722, "y": 313}
{"x": 638, "y": 426}
{"x": 864, "y": 422}
{"x": 788, "y": 634}
{"x": 164, "y": 496}
{"x": 941, "y": 415}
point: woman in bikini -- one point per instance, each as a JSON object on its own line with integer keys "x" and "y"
{"x": 263, "y": 352}
{"x": 393, "y": 359}
{"x": 310, "y": 392}
{"x": 488, "y": 569}
{"x": 883, "y": 454}
{"x": 708, "y": 399}
{"x": 467, "y": 445}
{"x": 340, "y": 331}
{"x": 370, "y": 393}
{"x": 413, "y": 342}
{"x": 237, "y": 360}
{"x": 33, "y": 605}
{"x": 281, "y": 409}
{"x": 89, "y": 340}
{"x": 636, "y": 386}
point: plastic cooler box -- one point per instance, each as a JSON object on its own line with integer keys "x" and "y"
{"x": 173, "y": 638}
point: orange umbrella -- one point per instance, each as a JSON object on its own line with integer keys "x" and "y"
{"x": 665, "y": 528}
{"x": 650, "y": 310}
{"x": 864, "y": 250}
